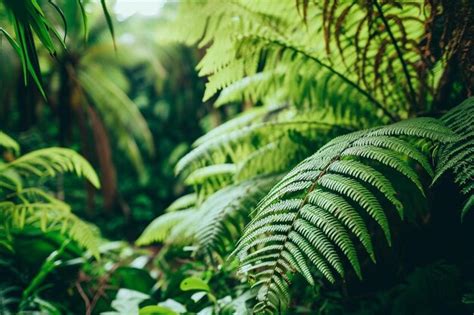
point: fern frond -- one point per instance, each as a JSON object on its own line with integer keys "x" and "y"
{"x": 52, "y": 161}
{"x": 183, "y": 202}
{"x": 164, "y": 228}
{"x": 211, "y": 178}
{"x": 214, "y": 225}
{"x": 8, "y": 143}
{"x": 458, "y": 156}
{"x": 36, "y": 207}
{"x": 226, "y": 212}
{"x": 234, "y": 143}
{"x": 355, "y": 58}
{"x": 314, "y": 214}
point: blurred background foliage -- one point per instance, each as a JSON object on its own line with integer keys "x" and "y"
{"x": 124, "y": 109}
{"x": 124, "y": 103}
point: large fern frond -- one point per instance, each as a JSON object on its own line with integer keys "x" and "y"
{"x": 21, "y": 206}
{"x": 313, "y": 215}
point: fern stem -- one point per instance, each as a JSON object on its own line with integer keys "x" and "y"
{"x": 392, "y": 117}
{"x": 399, "y": 54}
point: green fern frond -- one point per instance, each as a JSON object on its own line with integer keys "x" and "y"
{"x": 183, "y": 202}
{"x": 315, "y": 213}
{"x": 257, "y": 51}
{"x": 164, "y": 228}
{"x": 21, "y": 207}
{"x": 235, "y": 144}
{"x": 8, "y": 143}
{"x": 458, "y": 156}
{"x": 226, "y": 212}
{"x": 209, "y": 179}
{"x": 38, "y": 208}
{"x": 52, "y": 161}
{"x": 245, "y": 119}
{"x": 214, "y": 225}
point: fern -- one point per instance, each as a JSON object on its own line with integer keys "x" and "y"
{"x": 313, "y": 214}
{"x": 20, "y": 206}
{"x": 7, "y": 299}
{"x": 225, "y": 213}
{"x": 173, "y": 228}
{"x": 8, "y": 143}
{"x": 50, "y": 162}
{"x": 356, "y": 59}
{"x": 458, "y": 156}
{"x": 183, "y": 202}
{"x": 344, "y": 66}
{"x": 239, "y": 138}
{"x": 213, "y": 226}
{"x": 49, "y": 213}
{"x": 209, "y": 179}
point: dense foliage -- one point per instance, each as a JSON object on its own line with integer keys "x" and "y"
{"x": 335, "y": 177}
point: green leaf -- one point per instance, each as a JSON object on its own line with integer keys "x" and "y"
{"x": 110, "y": 24}
{"x": 194, "y": 283}
{"x": 156, "y": 310}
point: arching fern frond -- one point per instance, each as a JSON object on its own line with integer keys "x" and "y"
{"x": 209, "y": 179}
{"x": 166, "y": 228}
{"x": 312, "y": 217}
{"x": 458, "y": 156}
{"x": 8, "y": 143}
{"x": 183, "y": 202}
{"x": 225, "y": 213}
{"x": 215, "y": 225}
{"x": 35, "y": 207}
{"x": 52, "y": 161}
{"x": 238, "y": 141}
{"x": 347, "y": 57}
{"x": 20, "y": 207}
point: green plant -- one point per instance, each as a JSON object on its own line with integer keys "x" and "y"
{"x": 353, "y": 82}
{"x": 23, "y": 204}
{"x": 28, "y": 19}
{"x": 313, "y": 214}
